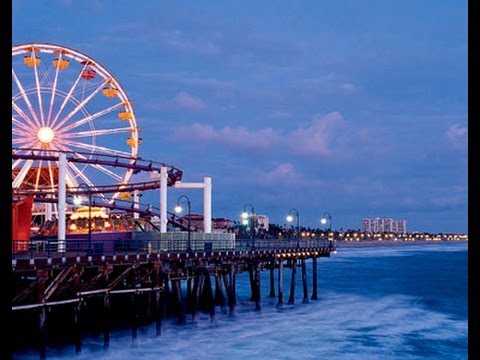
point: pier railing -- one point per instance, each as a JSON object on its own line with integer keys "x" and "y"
{"x": 47, "y": 248}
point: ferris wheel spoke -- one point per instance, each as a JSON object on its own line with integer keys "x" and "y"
{"x": 39, "y": 172}
{"x": 22, "y": 174}
{"x": 96, "y": 166}
{"x": 88, "y": 119}
{"x": 18, "y": 125}
{"x": 20, "y": 129}
{"x": 23, "y": 137}
{"x": 77, "y": 173}
{"x": 87, "y": 86}
{"x": 16, "y": 163}
{"x": 96, "y": 148}
{"x": 21, "y": 132}
{"x": 90, "y": 133}
{"x": 80, "y": 106}
{"x": 39, "y": 95}
{"x": 20, "y": 142}
{"x": 103, "y": 169}
{"x": 54, "y": 91}
{"x": 80, "y": 174}
{"x": 70, "y": 178}
{"x": 22, "y": 114}
{"x": 25, "y": 98}
{"x": 26, "y": 137}
{"x": 51, "y": 175}
{"x": 67, "y": 98}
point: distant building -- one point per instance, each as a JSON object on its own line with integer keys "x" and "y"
{"x": 263, "y": 222}
{"x": 222, "y": 225}
{"x": 380, "y": 225}
{"x": 219, "y": 225}
{"x": 401, "y": 227}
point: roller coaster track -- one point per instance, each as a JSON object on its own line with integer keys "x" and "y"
{"x": 136, "y": 164}
{"x": 146, "y": 185}
{"x": 144, "y": 210}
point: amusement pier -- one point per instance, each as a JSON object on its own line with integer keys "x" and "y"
{"x": 87, "y": 254}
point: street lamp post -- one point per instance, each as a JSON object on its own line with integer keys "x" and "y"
{"x": 77, "y": 201}
{"x": 249, "y": 218}
{"x": 327, "y": 217}
{"x": 178, "y": 209}
{"x": 290, "y": 219}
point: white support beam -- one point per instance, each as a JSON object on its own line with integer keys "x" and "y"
{"x": 189, "y": 185}
{"x": 206, "y": 185}
{"x": 207, "y": 205}
{"x": 163, "y": 199}
{"x": 136, "y": 203}
{"x": 48, "y": 211}
{"x": 62, "y": 201}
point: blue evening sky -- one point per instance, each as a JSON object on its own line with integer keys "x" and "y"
{"x": 356, "y": 108}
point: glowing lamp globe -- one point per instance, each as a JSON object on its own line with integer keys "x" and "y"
{"x": 45, "y": 135}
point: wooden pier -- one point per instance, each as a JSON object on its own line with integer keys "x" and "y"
{"x": 80, "y": 290}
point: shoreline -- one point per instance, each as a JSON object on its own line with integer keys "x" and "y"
{"x": 393, "y": 243}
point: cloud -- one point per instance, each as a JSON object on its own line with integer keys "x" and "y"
{"x": 232, "y": 137}
{"x": 283, "y": 173}
{"x": 348, "y": 88}
{"x": 457, "y": 136}
{"x": 325, "y": 136}
{"x": 315, "y": 139}
{"x": 176, "y": 39}
{"x": 331, "y": 84}
{"x": 321, "y": 80}
{"x": 183, "y": 100}
{"x": 286, "y": 175}
{"x": 194, "y": 47}
{"x": 409, "y": 202}
{"x": 448, "y": 201}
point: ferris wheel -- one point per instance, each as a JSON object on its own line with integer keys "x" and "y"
{"x": 63, "y": 100}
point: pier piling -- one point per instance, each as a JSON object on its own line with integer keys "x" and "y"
{"x": 134, "y": 316}
{"x": 219, "y": 297}
{"x": 280, "y": 282}
{"x": 304, "y": 282}
{"x": 77, "y": 327}
{"x": 314, "y": 279}
{"x": 272, "y": 279}
{"x": 106, "y": 321}
{"x": 43, "y": 332}
{"x": 291, "y": 299}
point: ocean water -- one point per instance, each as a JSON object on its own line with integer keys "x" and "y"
{"x": 408, "y": 302}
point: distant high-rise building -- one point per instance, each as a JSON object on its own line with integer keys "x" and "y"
{"x": 401, "y": 227}
{"x": 379, "y": 225}
{"x": 263, "y": 222}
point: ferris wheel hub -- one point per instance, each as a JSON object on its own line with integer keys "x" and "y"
{"x": 45, "y": 135}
